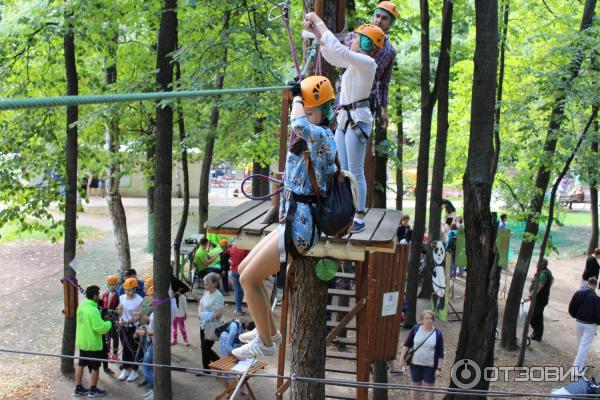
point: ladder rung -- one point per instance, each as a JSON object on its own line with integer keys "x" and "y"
{"x": 341, "y": 355}
{"x": 341, "y": 292}
{"x": 331, "y": 307}
{"x": 347, "y": 341}
{"x": 351, "y": 325}
{"x": 341, "y": 370}
{"x": 345, "y": 275}
{"x": 342, "y": 396}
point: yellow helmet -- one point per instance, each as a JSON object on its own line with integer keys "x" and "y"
{"x": 373, "y": 32}
{"x": 316, "y": 91}
{"x": 130, "y": 283}
{"x": 112, "y": 280}
{"x": 389, "y": 7}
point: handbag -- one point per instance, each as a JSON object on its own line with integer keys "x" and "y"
{"x": 409, "y": 354}
{"x": 210, "y": 330}
{"x": 335, "y": 210}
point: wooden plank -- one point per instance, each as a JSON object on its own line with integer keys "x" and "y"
{"x": 351, "y": 313}
{"x": 341, "y": 369}
{"x": 346, "y": 341}
{"x": 249, "y": 216}
{"x": 340, "y": 355}
{"x": 341, "y": 292}
{"x": 362, "y": 359}
{"x": 351, "y": 325}
{"x": 347, "y": 237}
{"x": 223, "y": 218}
{"x": 345, "y": 275}
{"x": 386, "y": 232}
{"x": 257, "y": 226}
{"x": 340, "y": 396}
{"x": 372, "y": 220}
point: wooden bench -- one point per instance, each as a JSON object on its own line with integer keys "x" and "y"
{"x": 226, "y": 364}
{"x": 574, "y": 198}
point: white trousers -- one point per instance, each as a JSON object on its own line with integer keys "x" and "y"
{"x": 585, "y": 337}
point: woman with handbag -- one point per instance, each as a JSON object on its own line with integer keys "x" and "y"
{"x": 210, "y": 312}
{"x": 312, "y": 110}
{"x": 424, "y": 351}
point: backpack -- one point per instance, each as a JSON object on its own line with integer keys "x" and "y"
{"x": 452, "y": 245}
{"x": 335, "y": 211}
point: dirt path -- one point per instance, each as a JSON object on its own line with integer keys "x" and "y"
{"x": 31, "y": 304}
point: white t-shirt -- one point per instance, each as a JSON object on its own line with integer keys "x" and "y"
{"x": 182, "y": 309}
{"x": 424, "y": 355}
{"x": 357, "y": 81}
{"x": 129, "y": 305}
{"x": 211, "y": 302}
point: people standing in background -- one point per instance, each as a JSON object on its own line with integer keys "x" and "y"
{"x": 139, "y": 290}
{"x": 224, "y": 262}
{"x": 459, "y": 222}
{"x": 503, "y": 219}
{"x": 180, "y": 318}
{"x": 592, "y": 268}
{"x": 451, "y": 248}
{"x": 585, "y": 308}
{"x": 109, "y": 304}
{"x": 210, "y": 309}
{"x": 545, "y": 280}
{"x": 404, "y": 232}
{"x": 449, "y": 208}
{"x": 236, "y": 256}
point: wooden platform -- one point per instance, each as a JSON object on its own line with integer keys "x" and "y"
{"x": 245, "y": 222}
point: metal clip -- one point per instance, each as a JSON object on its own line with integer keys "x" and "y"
{"x": 283, "y": 8}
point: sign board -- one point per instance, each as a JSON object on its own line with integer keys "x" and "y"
{"x": 390, "y": 304}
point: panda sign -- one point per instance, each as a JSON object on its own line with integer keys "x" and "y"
{"x": 440, "y": 276}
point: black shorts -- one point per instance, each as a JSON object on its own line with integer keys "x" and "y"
{"x": 92, "y": 365}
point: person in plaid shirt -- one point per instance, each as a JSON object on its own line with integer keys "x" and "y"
{"x": 384, "y": 16}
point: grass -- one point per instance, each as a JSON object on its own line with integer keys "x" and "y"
{"x": 42, "y": 231}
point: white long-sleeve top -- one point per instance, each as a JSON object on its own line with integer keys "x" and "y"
{"x": 182, "y": 308}
{"x": 357, "y": 81}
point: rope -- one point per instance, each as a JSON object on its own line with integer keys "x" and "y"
{"x": 333, "y": 382}
{"x": 58, "y": 101}
{"x": 260, "y": 176}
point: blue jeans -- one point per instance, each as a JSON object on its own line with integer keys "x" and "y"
{"x": 238, "y": 292}
{"x": 351, "y": 147}
{"x": 148, "y": 371}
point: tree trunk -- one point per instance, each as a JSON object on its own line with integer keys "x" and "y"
{"x": 70, "y": 223}
{"x": 167, "y": 39}
{"x": 497, "y": 143}
{"x": 511, "y": 311}
{"x": 480, "y": 316}
{"x": 308, "y": 301}
{"x": 186, "y": 178}
{"x": 399, "y": 153}
{"x": 381, "y": 159}
{"x": 549, "y": 221}
{"x": 209, "y": 146}
{"x": 260, "y": 187}
{"x": 422, "y": 173}
{"x": 439, "y": 158}
{"x": 113, "y": 198}
{"x": 594, "y": 194}
{"x": 150, "y": 154}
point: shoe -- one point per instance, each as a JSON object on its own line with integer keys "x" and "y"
{"x": 357, "y": 227}
{"x": 80, "y": 391}
{"x": 132, "y": 376}
{"x": 108, "y": 371}
{"x": 248, "y": 337}
{"x": 187, "y": 344}
{"x": 254, "y": 349}
{"x": 113, "y": 357}
{"x": 149, "y": 395}
{"x": 537, "y": 339}
{"x": 95, "y": 392}
{"x": 124, "y": 375}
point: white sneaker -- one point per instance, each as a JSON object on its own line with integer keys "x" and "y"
{"x": 250, "y": 336}
{"x": 254, "y": 349}
{"x": 124, "y": 375}
{"x": 149, "y": 395}
{"x": 132, "y": 376}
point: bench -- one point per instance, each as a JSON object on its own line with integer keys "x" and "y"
{"x": 574, "y": 198}
{"x": 226, "y": 364}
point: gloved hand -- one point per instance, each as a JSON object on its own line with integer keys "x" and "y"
{"x": 296, "y": 90}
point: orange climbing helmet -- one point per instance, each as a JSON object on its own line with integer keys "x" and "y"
{"x": 148, "y": 282}
{"x": 112, "y": 280}
{"x": 130, "y": 283}
{"x": 316, "y": 91}
{"x": 373, "y": 32}
{"x": 389, "y": 7}
{"x": 223, "y": 242}
{"x": 150, "y": 290}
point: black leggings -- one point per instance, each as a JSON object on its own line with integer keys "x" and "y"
{"x": 130, "y": 348}
{"x": 208, "y": 354}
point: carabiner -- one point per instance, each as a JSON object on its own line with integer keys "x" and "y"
{"x": 283, "y": 7}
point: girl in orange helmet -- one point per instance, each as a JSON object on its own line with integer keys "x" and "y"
{"x": 109, "y": 304}
{"x": 354, "y": 120}
{"x": 311, "y": 114}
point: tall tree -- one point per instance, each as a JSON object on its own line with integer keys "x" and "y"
{"x": 439, "y": 159}
{"x": 511, "y": 311}
{"x": 70, "y": 224}
{"x": 113, "y": 143}
{"x": 478, "y": 328}
{"x": 594, "y": 192}
{"x": 209, "y": 146}
{"x": 399, "y": 151}
{"x": 186, "y": 176}
{"x": 167, "y": 42}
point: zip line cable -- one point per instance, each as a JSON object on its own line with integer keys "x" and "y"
{"x": 58, "y": 101}
{"x": 333, "y": 382}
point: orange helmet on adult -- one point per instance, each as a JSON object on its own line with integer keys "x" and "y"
{"x": 112, "y": 280}
{"x": 316, "y": 91}
{"x": 223, "y": 242}
{"x": 148, "y": 282}
{"x": 130, "y": 283}
{"x": 389, "y": 7}
{"x": 373, "y": 32}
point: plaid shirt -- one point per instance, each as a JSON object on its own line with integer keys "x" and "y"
{"x": 384, "y": 58}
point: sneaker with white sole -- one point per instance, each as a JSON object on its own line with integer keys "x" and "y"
{"x": 124, "y": 375}
{"x": 132, "y": 376}
{"x": 254, "y": 349}
{"x": 250, "y": 336}
{"x": 149, "y": 395}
